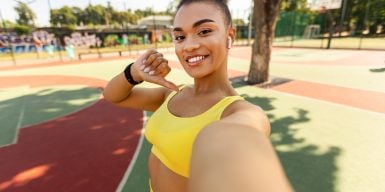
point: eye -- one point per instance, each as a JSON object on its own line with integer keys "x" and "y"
{"x": 179, "y": 38}
{"x": 204, "y": 31}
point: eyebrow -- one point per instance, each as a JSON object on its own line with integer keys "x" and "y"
{"x": 196, "y": 24}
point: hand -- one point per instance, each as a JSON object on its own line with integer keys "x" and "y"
{"x": 152, "y": 67}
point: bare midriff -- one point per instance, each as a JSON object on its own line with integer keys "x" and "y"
{"x": 163, "y": 179}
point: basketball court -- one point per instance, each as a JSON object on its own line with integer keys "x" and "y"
{"x": 326, "y": 109}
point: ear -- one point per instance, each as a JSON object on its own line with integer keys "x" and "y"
{"x": 231, "y": 36}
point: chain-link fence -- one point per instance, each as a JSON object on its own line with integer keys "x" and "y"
{"x": 296, "y": 29}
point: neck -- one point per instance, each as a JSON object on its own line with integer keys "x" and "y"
{"x": 216, "y": 82}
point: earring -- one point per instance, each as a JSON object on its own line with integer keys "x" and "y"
{"x": 229, "y": 43}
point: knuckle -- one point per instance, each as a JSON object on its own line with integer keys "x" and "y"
{"x": 159, "y": 59}
{"x": 151, "y": 58}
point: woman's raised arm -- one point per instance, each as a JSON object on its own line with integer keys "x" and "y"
{"x": 150, "y": 67}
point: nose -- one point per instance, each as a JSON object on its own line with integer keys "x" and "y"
{"x": 190, "y": 44}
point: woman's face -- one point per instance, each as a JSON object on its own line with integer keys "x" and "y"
{"x": 201, "y": 36}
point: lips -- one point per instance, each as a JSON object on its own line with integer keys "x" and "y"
{"x": 193, "y": 60}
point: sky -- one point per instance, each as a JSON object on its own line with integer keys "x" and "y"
{"x": 239, "y": 8}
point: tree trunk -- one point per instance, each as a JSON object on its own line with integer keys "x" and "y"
{"x": 265, "y": 14}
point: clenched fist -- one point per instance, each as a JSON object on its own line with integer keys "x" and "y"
{"x": 152, "y": 67}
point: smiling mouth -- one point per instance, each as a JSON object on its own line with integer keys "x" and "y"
{"x": 196, "y": 59}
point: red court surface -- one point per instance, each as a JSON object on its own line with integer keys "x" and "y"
{"x": 368, "y": 100}
{"x": 88, "y": 150}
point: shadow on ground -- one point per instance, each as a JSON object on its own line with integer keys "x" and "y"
{"x": 378, "y": 70}
{"x": 40, "y": 106}
{"x": 308, "y": 169}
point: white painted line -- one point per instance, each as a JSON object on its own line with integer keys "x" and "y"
{"x": 20, "y": 119}
{"x": 21, "y": 116}
{"x": 134, "y": 158}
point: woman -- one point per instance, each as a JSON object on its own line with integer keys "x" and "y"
{"x": 205, "y": 137}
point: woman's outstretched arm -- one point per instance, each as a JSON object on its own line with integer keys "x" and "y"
{"x": 234, "y": 154}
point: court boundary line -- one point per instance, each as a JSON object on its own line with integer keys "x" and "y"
{"x": 19, "y": 121}
{"x": 131, "y": 166}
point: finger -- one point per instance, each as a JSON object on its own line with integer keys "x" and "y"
{"x": 151, "y": 58}
{"x": 155, "y": 66}
{"x": 162, "y": 69}
{"x": 143, "y": 57}
{"x": 168, "y": 84}
{"x": 146, "y": 54}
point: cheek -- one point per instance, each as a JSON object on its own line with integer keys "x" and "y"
{"x": 178, "y": 52}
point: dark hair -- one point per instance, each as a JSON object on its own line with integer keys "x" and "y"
{"x": 222, "y": 5}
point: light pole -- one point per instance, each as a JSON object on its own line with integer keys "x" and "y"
{"x": 343, "y": 15}
{"x": 365, "y": 19}
{"x": 154, "y": 23}
{"x": 50, "y": 9}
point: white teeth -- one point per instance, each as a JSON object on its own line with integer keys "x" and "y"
{"x": 195, "y": 59}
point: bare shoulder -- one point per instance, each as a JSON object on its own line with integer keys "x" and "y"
{"x": 240, "y": 136}
{"x": 246, "y": 113}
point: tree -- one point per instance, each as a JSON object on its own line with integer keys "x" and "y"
{"x": 124, "y": 17}
{"x": 63, "y": 16}
{"x": 95, "y": 15}
{"x": 22, "y": 29}
{"x": 362, "y": 14}
{"x": 26, "y": 15}
{"x": 238, "y": 22}
{"x": 265, "y": 14}
{"x": 79, "y": 14}
{"x": 108, "y": 13}
{"x": 294, "y": 5}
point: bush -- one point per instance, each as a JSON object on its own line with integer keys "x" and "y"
{"x": 22, "y": 29}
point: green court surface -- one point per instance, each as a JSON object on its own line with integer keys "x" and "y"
{"x": 323, "y": 146}
{"x": 24, "y": 106}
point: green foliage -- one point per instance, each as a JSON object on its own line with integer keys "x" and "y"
{"x": 94, "y": 15}
{"x": 294, "y": 5}
{"x": 125, "y": 18}
{"x": 63, "y": 16}
{"x": 22, "y": 29}
{"x": 365, "y": 14}
{"x": 8, "y": 24}
{"x": 359, "y": 16}
{"x": 111, "y": 40}
{"x": 238, "y": 22}
{"x": 25, "y": 14}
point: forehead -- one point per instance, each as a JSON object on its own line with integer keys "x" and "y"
{"x": 188, "y": 14}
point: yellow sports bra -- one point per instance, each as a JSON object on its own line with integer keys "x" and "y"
{"x": 172, "y": 137}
